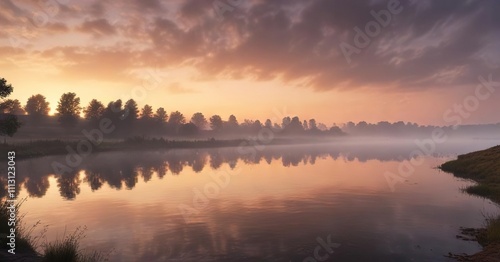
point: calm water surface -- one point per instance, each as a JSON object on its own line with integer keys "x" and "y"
{"x": 271, "y": 204}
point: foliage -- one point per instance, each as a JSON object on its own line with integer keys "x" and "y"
{"x": 68, "y": 109}
{"x": 94, "y": 110}
{"x": 132, "y": 110}
{"x": 13, "y": 107}
{"x": 161, "y": 115}
{"x": 5, "y": 88}
{"x": 8, "y": 122}
{"x": 216, "y": 122}
{"x": 176, "y": 118}
{"x": 199, "y": 120}
{"x": 37, "y": 105}
{"x": 9, "y": 125}
{"x": 147, "y": 112}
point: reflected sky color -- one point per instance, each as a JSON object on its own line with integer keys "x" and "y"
{"x": 268, "y": 211}
{"x": 263, "y": 55}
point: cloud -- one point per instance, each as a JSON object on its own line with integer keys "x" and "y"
{"x": 429, "y": 44}
{"x": 97, "y": 27}
{"x": 80, "y": 64}
{"x": 57, "y": 27}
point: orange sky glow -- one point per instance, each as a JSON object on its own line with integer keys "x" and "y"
{"x": 258, "y": 61}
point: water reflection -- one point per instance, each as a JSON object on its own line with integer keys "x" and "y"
{"x": 122, "y": 170}
{"x": 285, "y": 199}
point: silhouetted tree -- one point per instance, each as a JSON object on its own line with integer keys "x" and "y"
{"x": 131, "y": 110}
{"x": 8, "y": 122}
{"x": 216, "y": 122}
{"x": 312, "y": 124}
{"x": 160, "y": 119}
{"x": 9, "y": 125}
{"x": 114, "y": 110}
{"x": 115, "y": 113}
{"x": 175, "y": 121}
{"x": 37, "y": 107}
{"x": 68, "y": 110}
{"x": 13, "y": 107}
{"x": 286, "y": 121}
{"x": 305, "y": 125}
{"x": 335, "y": 130}
{"x": 199, "y": 120}
{"x": 147, "y": 112}
{"x": 294, "y": 127}
{"x": 268, "y": 124}
{"x": 176, "y": 118}
{"x": 256, "y": 126}
{"x": 94, "y": 111}
{"x": 161, "y": 115}
{"x": 247, "y": 123}
{"x": 232, "y": 123}
{"x": 5, "y": 89}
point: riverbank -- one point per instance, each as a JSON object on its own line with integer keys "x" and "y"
{"x": 40, "y": 148}
{"x": 483, "y": 167}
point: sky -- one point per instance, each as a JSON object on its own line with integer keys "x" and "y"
{"x": 332, "y": 60}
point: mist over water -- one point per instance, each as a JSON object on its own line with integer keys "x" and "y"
{"x": 269, "y": 204}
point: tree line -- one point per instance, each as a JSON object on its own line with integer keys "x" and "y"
{"x": 129, "y": 119}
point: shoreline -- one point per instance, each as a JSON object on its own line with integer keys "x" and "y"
{"x": 482, "y": 167}
{"x": 42, "y": 148}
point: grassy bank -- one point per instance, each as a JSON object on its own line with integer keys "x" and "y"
{"x": 67, "y": 249}
{"x": 59, "y": 147}
{"x": 41, "y": 148}
{"x": 483, "y": 167}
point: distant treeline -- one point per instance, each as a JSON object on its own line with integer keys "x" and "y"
{"x": 402, "y": 129}
{"x": 129, "y": 120}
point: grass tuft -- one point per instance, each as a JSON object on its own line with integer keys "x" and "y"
{"x": 493, "y": 230}
{"x": 68, "y": 249}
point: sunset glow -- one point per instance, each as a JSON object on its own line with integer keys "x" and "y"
{"x": 259, "y": 58}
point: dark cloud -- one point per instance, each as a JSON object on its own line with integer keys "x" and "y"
{"x": 430, "y": 40}
{"x": 430, "y": 43}
{"x": 149, "y": 4}
{"x": 98, "y": 27}
{"x": 195, "y": 8}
